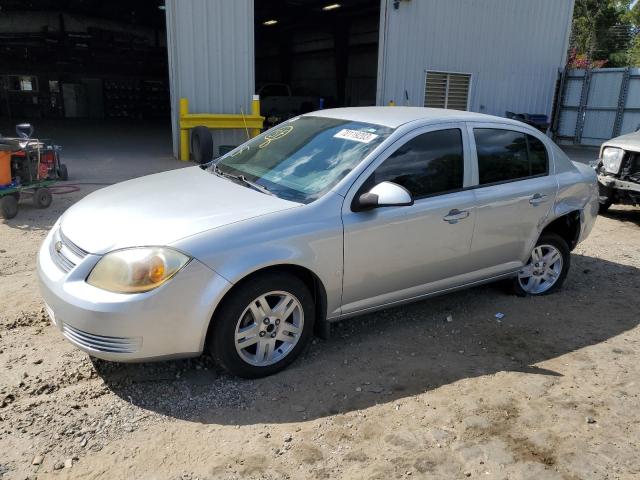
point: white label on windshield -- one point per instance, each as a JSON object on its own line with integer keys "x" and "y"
{"x": 355, "y": 135}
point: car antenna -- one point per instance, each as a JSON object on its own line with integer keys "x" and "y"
{"x": 245, "y": 123}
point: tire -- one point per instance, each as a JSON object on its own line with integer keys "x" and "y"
{"x": 63, "y": 173}
{"x": 605, "y": 198}
{"x": 42, "y": 197}
{"x": 8, "y": 206}
{"x": 264, "y": 353}
{"x": 604, "y": 206}
{"x": 201, "y": 145}
{"x": 554, "y": 273}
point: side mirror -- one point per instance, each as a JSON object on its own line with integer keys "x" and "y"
{"x": 384, "y": 194}
{"x": 24, "y": 130}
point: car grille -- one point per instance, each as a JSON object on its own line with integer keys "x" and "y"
{"x": 101, "y": 343}
{"x": 632, "y": 167}
{"x": 65, "y": 253}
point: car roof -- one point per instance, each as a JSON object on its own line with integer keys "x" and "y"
{"x": 396, "y": 116}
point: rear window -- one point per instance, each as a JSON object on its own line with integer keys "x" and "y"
{"x": 507, "y": 155}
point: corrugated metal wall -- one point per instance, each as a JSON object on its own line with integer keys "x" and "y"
{"x": 599, "y": 104}
{"x": 211, "y": 59}
{"x": 513, "y": 48}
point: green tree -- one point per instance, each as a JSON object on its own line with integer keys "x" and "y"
{"x": 633, "y": 17}
{"x": 603, "y": 31}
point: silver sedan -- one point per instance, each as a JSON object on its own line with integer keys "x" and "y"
{"x": 326, "y": 216}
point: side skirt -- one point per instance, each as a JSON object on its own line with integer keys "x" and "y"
{"x": 424, "y": 296}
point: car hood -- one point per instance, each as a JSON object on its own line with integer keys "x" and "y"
{"x": 162, "y": 208}
{"x": 630, "y": 141}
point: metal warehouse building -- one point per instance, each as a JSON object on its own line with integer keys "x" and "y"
{"x": 481, "y": 55}
{"x": 132, "y": 61}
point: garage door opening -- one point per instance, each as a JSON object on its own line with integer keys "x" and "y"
{"x": 314, "y": 54}
{"x": 87, "y": 73}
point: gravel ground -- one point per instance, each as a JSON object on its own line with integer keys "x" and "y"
{"x": 437, "y": 389}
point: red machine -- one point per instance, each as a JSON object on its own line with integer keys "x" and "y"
{"x": 27, "y": 166}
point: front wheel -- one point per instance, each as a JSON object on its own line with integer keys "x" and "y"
{"x": 263, "y": 325}
{"x": 547, "y": 267}
{"x": 8, "y": 206}
{"x": 604, "y": 206}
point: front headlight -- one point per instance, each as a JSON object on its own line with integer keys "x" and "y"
{"x": 135, "y": 270}
{"x": 612, "y": 159}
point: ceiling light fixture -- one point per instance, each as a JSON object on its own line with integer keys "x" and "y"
{"x": 332, "y": 6}
{"x": 270, "y": 22}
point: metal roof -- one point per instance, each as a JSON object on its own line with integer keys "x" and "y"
{"x": 395, "y": 116}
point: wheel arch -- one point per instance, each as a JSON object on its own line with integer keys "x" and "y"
{"x": 308, "y": 277}
{"x": 567, "y": 226}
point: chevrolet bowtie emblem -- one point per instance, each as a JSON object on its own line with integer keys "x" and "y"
{"x": 58, "y": 246}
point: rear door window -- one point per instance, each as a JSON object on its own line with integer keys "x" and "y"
{"x": 507, "y": 155}
{"x": 537, "y": 156}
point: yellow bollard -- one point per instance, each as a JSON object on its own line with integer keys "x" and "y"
{"x": 255, "y": 110}
{"x": 184, "y": 133}
{"x": 253, "y": 123}
{"x": 392, "y": 103}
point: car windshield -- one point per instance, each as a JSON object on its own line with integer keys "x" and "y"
{"x": 303, "y": 158}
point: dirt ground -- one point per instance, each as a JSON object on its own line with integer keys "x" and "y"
{"x": 550, "y": 391}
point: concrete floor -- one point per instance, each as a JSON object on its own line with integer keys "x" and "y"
{"x": 108, "y": 151}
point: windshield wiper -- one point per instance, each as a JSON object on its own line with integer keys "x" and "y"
{"x": 253, "y": 185}
{"x": 242, "y": 179}
{"x": 215, "y": 169}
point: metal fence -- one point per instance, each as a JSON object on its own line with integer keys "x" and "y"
{"x": 596, "y": 105}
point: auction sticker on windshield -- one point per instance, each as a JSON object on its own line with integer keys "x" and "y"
{"x": 355, "y": 135}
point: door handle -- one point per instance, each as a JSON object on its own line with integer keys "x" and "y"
{"x": 454, "y": 215}
{"x": 537, "y": 199}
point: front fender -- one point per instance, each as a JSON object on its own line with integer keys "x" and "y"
{"x": 308, "y": 237}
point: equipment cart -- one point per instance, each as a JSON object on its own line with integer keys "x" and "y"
{"x": 27, "y": 168}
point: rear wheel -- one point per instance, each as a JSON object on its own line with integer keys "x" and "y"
{"x": 263, "y": 325}
{"x": 42, "y": 197}
{"x": 8, "y": 206}
{"x": 63, "y": 173}
{"x": 547, "y": 267}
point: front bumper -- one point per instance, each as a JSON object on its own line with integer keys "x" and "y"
{"x": 170, "y": 321}
{"x": 616, "y": 184}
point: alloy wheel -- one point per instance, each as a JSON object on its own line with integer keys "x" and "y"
{"x": 542, "y": 271}
{"x": 269, "y": 328}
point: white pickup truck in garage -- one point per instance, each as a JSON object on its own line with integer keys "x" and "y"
{"x": 278, "y": 103}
